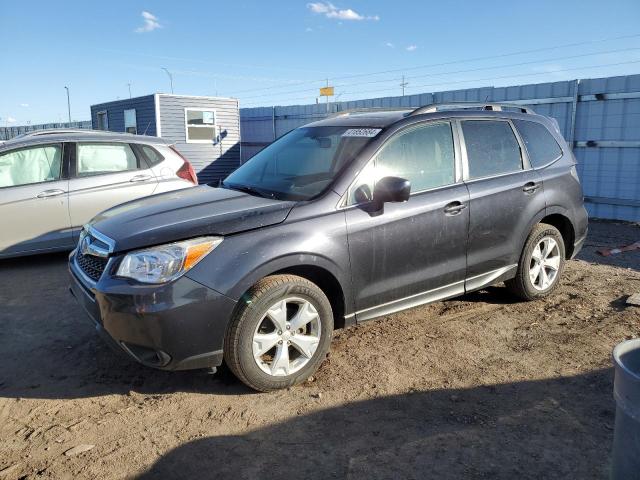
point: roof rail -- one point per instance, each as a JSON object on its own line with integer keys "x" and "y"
{"x": 350, "y": 111}
{"x": 497, "y": 107}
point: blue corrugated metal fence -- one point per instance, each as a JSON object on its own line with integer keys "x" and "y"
{"x": 7, "y": 133}
{"x": 600, "y": 118}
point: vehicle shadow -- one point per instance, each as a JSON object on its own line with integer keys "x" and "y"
{"x": 554, "y": 428}
{"x": 495, "y": 295}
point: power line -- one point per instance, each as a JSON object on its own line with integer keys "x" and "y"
{"x": 476, "y": 79}
{"x": 489, "y": 57}
{"x": 561, "y": 70}
{"x": 495, "y": 67}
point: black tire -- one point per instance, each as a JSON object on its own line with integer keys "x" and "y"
{"x": 522, "y": 286}
{"x": 238, "y": 348}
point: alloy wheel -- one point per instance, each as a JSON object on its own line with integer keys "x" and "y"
{"x": 545, "y": 263}
{"x": 287, "y": 337}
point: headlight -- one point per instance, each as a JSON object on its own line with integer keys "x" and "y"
{"x": 164, "y": 263}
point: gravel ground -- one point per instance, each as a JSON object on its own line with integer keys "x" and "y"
{"x": 475, "y": 387}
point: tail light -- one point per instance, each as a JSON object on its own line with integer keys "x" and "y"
{"x": 186, "y": 171}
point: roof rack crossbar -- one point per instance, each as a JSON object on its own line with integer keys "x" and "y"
{"x": 497, "y": 107}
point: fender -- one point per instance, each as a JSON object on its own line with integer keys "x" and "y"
{"x": 298, "y": 259}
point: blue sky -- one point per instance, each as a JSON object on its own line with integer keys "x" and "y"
{"x": 278, "y": 52}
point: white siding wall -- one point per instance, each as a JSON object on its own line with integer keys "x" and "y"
{"x": 211, "y": 162}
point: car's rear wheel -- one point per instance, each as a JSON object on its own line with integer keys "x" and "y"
{"x": 541, "y": 264}
{"x": 280, "y": 334}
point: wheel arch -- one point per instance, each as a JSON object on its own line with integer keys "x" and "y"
{"x": 319, "y": 270}
{"x": 564, "y": 225}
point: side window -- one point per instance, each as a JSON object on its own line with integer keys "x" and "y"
{"x": 541, "y": 146}
{"x": 492, "y": 148}
{"x": 97, "y": 158}
{"x": 30, "y": 165}
{"x": 423, "y": 155}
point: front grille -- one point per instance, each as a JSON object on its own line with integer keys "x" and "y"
{"x": 93, "y": 267}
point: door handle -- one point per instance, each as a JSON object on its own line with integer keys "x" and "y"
{"x": 454, "y": 208}
{"x": 51, "y": 193}
{"x": 140, "y": 178}
{"x": 530, "y": 187}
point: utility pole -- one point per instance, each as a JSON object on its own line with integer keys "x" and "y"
{"x": 129, "y": 85}
{"x": 68, "y": 103}
{"x": 403, "y": 85}
{"x": 170, "y": 77}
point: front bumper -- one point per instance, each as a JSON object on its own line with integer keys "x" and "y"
{"x": 177, "y": 326}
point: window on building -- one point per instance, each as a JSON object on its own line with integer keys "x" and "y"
{"x": 200, "y": 125}
{"x": 541, "y": 146}
{"x": 30, "y": 165}
{"x": 102, "y": 120}
{"x": 492, "y": 148}
{"x": 97, "y": 158}
{"x": 130, "y": 125}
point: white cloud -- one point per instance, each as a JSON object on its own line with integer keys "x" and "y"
{"x": 151, "y": 23}
{"x": 412, "y": 48}
{"x": 10, "y": 120}
{"x": 329, "y": 10}
{"x": 308, "y": 29}
{"x": 390, "y": 45}
{"x": 24, "y": 105}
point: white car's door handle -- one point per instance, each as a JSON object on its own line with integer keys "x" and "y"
{"x": 51, "y": 193}
{"x": 140, "y": 178}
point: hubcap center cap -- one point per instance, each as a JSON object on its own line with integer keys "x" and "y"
{"x": 286, "y": 335}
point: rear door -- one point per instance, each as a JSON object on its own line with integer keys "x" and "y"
{"x": 104, "y": 175}
{"x": 34, "y": 200}
{"x": 505, "y": 195}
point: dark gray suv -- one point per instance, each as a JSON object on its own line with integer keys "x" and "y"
{"x": 340, "y": 221}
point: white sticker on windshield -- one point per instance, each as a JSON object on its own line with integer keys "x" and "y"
{"x": 362, "y": 132}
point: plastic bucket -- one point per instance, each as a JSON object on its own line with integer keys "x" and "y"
{"x": 626, "y": 391}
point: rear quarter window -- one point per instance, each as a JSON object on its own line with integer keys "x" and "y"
{"x": 152, "y": 156}
{"x": 541, "y": 146}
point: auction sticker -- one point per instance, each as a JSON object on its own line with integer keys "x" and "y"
{"x": 362, "y": 132}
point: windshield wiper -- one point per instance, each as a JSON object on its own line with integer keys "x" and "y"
{"x": 248, "y": 189}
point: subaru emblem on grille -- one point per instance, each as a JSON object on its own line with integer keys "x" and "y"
{"x": 84, "y": 246}
{"x": 94, "y": 245}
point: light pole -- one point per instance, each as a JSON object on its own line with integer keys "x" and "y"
{"x": 170, "y": 77}
{"x": 68, "y": 103}
{"x": 129, "y": 85}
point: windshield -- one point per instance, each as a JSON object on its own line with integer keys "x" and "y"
{"x": 301, "y": 164}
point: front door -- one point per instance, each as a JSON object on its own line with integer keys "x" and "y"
{"x": 33, "y": 201}
{"x": 106, "y": 175}
{"x": 413, "y": 252}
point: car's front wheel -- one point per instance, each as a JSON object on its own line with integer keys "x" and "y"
{"x": 280, "y": 334}
{"x": 541, "y": 264}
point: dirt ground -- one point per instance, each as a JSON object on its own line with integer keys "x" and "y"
{"x": 475, "y": 387}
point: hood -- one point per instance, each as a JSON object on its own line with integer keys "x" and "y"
{"x": 187, "y": 213}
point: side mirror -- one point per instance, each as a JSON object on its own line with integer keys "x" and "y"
{"x": 391, "y": 189}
